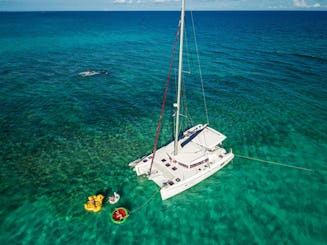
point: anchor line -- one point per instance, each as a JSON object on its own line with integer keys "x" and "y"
{"x": 145, "y": 203}
{"x": 237, "y": 155}
{"x": 271, "y": 162}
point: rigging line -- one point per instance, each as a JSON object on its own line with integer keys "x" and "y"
{"x": 189, "y": 120}
{"x": 198, "y": 58}
{"x": 164, "y": 98}
{"x": 271, "y": 162}
{"x": 145, "y": 203}
{"x": 187, "y": 49}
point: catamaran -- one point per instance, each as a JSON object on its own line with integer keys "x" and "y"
{"x": 192, "y": 156}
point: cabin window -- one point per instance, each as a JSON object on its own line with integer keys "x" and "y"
{"x": 183, "y": 165}
{"x": 163, "y": 160}
{"x": 199, "y": 163}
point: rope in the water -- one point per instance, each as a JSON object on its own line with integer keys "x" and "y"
{"x": 144, "y": 204}
{"x": 271, "y": 162}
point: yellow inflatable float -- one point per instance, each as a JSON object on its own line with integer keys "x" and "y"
{"x": 94, "y": 203}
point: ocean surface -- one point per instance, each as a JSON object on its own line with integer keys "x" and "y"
{"x": 64, "y": 137}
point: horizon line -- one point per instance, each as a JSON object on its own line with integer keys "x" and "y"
{"x": 172, "y": 10}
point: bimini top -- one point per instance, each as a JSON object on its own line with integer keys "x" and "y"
{"x": 205, "y": 136}
{"x": 193, "y": 148}
{"x": 209, "y": 138}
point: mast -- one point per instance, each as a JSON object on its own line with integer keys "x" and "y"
{"x": 180, "y": 68}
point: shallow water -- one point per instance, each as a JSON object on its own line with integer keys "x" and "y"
{"x": 64, "y": 137}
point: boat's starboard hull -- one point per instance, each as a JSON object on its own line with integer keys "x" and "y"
{"x": 170, "y": 191}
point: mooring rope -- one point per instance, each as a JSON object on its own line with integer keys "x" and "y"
{"x": 271, "y": 162}
{"x": 145, "y": 203}
{"x": 236, "y": 155}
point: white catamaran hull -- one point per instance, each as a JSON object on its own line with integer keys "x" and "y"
{"x": 170, "y": 191}
{"x": 194, "y": 163}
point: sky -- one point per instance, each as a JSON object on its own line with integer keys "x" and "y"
{"x": 135, "y": 5}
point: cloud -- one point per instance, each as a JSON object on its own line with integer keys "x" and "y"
{"x": 303, "y": 4}
{"x": 144, "y": 1}
{"x": 316, "y": 5}
{"x": 127, "y": 1}
{"x": 165, "y": 1}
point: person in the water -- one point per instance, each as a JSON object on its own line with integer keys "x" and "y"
{"x": 91, "y": 73}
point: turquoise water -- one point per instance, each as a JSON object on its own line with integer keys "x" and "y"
{"x": 64, "y": 137}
